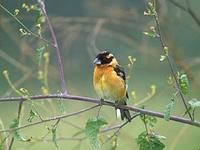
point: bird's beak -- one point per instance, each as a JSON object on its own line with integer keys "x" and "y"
{"x": 97, "y": 61}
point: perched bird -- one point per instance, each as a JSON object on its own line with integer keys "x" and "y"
{"x": 109, "y": 81}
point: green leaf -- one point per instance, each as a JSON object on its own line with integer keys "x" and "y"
{"x": 168, "y": 109}
{"x": 184, "y": 83}
{"x": 15, "y": 133}
{"x": 149, "y": 120}
{"x": 53, "y": 131}
{"x": 162, "y": 58}
{"x": 39, "y": 18}
{"x": 92, "y": 130}
{"x": 150, "y": 11}
{"x": 39, "y": 53}
{"x": 149, "y": 142}
{"x": 61, "y": 106}
{"x": 31, "y": 115}
{"x": 194, "y": 103}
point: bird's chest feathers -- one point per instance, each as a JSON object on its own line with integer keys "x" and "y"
{"x": 101, "y": 82}
{"x": 106, "y": 86}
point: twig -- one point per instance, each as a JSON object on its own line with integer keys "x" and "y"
{"x": 18, "y": 117}
{"x": 108, "y": 103}
{"x": 169, "y": 62}
{"x": 61, "y": 139}
{"x": 187, "y": 9}
{"x": 118, "y": 128}
{"x": 50, "y": 119}
{"x": 55, "y": 43}
{"x": 26, "y": 28}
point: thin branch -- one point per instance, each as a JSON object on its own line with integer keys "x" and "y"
{"x": 187, "y": 9}
{"x": 26, "y": 28}
{"x": 170, "y": 62}
{"x": 119, "y": 127}
{"x": 108, "y": 103}
{"x": 61, "y": 139}
{"x": 60, "y": 65}
{"x": 18, "y": 117}
{"x": 50, "y": 119}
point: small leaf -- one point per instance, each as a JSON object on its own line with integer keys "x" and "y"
{"x": 168, "y": 109}
{"x": 147, "y": 141}
{"x": 157, "y": 135}
{"x": 162, "y": 58}
{"x": 148, "y": 120}
{"x": 194, "y": 103}
{"x": 16, "y": 12}
{"x": 92, "y": 130}
{"x": 31, "y": 115}
{"x": 24, "y": 32}
{"x": 150, "y": 11}
{"x": 61, "y": 106}
{"x": 184, "y": 83}
{"x": 39, "y": 18}
{"x": 17, "y": 134}
{"x": 53, "y": 131}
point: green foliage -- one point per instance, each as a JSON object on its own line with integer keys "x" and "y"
{"x": 53, "y": 131}
{"x": 184, "y": 83}
{"x": 39, "y": 53}
{"x": 16, "y": 134}
{"x": 61, "y": 106}
{"x": 194, "y": 103}
{"x": 147, "y": 141}
{"x": 32, "y": 115}
{"x": 150, "y": 10}
{"x": 151, "y": 32}
{"x": 148, "y": 120}
{"x": 162, "y": 58}
{"x": 92, "y": 130}
{"x": 168, "y": 109}
{"x": 39, "y": 18}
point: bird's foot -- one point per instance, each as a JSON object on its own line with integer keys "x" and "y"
{"x": 116, "y": 105}
{"x": 101, "y": 101}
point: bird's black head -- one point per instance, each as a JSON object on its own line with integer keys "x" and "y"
{"x": 103, "y": 58}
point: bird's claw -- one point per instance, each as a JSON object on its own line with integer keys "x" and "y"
{"x": 101, "y": 102}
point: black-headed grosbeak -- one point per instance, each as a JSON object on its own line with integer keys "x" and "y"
{"x": 109, "y": 81}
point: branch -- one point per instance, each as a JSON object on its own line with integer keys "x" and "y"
{"x": 18, "y": 117}
{"x": 55, "y": 43}
{"x": 187, "y": 9}
{"x": 26, "y": 28}
{"x": 108, "y": 103}
{"x": 50, "y": 119}
{"x": 170, "y": 62}
{"x": 118, "y": 127}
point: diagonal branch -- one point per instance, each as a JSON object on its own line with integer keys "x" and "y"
{"x": 55, "y": 43}
{"x": 25, "y": 27}
{"x": 187, "y": 9}
{"x": 50, "y": 119}
{"x": 108, "y": 103}
{"x": 162, "y": 42}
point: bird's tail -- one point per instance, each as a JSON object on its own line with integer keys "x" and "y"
{"x": 123, "y": 113}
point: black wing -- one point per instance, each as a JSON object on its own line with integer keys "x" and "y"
{"x": 120, "y": 72}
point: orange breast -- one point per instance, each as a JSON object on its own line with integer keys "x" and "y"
{"x": 107, "y": 84}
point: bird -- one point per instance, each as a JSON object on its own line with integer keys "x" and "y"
{"x": 109, "y": 81}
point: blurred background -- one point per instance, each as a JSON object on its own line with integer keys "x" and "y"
{"x": 82, "y": 27}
